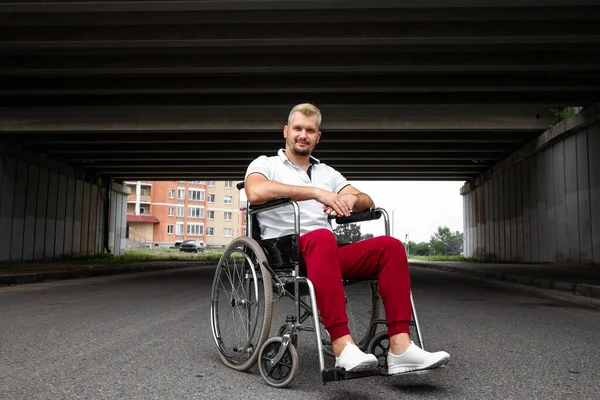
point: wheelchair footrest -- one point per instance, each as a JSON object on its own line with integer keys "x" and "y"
{"x": 340, "y": 374}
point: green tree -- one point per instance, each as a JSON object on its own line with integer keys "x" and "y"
{"x": 348, "y": 233}
{"x": 418, "y": 249}
{"x": 560, "y": 114}
{"x": 444, "y": 242}
{"x": 367, "y": 236}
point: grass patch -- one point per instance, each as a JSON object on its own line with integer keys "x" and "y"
{"x": 444, "y": 258}
{"x": 164, "y": 254}
{"x": 130, "y": 256}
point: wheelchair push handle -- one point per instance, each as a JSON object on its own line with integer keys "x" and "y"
{"x": 370, "y": 214}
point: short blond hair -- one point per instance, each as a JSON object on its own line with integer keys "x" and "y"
{"x": 308, "y": 110}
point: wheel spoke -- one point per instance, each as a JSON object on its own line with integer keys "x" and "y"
{"x": 234, "y": 294}
{"x": 270, "y": 374}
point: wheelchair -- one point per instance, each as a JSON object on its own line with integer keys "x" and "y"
{"x": 248, "y": 276}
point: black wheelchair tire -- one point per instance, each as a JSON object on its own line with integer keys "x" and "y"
{"x": 263, "y": 324}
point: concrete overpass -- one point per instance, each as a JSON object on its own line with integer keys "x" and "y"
{"x": 434, "y": 90}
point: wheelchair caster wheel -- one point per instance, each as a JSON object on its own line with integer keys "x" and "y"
{"x": 379, "y": 346}
{"x": 294, "y": 336}
{"x": 283, "y": 372}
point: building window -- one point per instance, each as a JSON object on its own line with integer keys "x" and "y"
{"x": 211, "y": 215}
{"x": 211, "y": 198}
{"x": 171, "y": 193}
{"x": 142, "y": 210}
{"x": 180, "y": 228}
{"x": 171, "y": 211}
{"x": 244, "y": 231}
{"x": 195, "y": 229}
{"x": 228, "y": 215}
{"x": 228, "y": 184}
{"x": 195, "y": 212}
{"x": 198, "y": 182}
{"x": 196, "y": 195}
{"x": 228, "y": 199}
{"x": 212, "y": 183}
{"x": 210, "y": 231}
{"x": 227, "y": 232}
{"x": 144, "y": 192}
{"x": 169, "y": 229}
{"x": 180, "y": 211}
{"x": 180, "y": 193}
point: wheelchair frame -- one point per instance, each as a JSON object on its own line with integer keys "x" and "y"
{"x": 294, "y": 324}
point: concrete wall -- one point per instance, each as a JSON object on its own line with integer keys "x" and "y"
{"x": 543, "y": 208}
{"x": 49, "y": 213}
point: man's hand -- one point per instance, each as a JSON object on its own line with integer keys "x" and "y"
{"x": 336, "y": 204}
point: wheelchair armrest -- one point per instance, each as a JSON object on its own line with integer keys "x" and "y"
{"x": 240, "y": 185}
{"x": 368, "y": 215}
{"x": 274, "y": 203}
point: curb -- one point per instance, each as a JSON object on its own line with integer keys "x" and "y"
{"x": 543, "y": 283}
{"x": 90, "y": 271}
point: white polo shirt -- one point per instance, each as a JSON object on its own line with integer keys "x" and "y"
{"x": 279, "y": 168}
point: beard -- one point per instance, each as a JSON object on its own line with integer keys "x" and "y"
{"x": 299, "y": 152}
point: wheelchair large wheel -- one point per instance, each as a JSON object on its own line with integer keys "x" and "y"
{"x": 241, "y": 304}
{"x": 362, "y": 309}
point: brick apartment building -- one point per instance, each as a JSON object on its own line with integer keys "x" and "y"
{"x": 165, "y": 212}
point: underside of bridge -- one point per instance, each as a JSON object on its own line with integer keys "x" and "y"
{"x": 427, "y": 90}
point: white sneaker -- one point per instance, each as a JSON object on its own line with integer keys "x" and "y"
{"x": 354, "y": 360}
{"x": 415, "y": 359}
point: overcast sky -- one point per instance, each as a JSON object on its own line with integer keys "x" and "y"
{"x": 418, "y": 207}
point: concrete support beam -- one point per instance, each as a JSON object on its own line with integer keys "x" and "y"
{"x": 586, "y": 118}
{"x": 272, "y": 118}
{"x": 265, "y": 5}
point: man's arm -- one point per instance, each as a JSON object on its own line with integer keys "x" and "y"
{"x": 259, "y": 190}
{"x": 363, "y": 200}
{"x": 357, "y": 200}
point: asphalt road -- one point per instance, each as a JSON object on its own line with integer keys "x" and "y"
{"x": 147, "y": 336}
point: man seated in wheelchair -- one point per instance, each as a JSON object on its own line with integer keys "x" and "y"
{"x": 320, "y": 191}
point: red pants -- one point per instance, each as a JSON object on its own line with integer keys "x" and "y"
{"x": 381, "y": 257}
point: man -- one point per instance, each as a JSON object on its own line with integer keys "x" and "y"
{"x": 320, "y": 190}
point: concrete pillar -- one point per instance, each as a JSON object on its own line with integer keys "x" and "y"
{"x": 49, "y": 211}
{"x": 117, "y": 218}
{"x": 544, "y": 199}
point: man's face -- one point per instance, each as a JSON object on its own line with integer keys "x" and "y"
{"x": 302, "y": 134}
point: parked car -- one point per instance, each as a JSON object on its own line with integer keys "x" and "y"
{"x": 193, "y": 246}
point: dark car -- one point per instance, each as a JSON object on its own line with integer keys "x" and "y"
{"x": 193, "y": 246}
